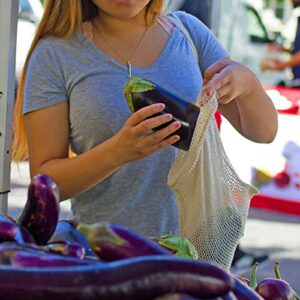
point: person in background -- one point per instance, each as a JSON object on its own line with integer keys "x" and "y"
{"x": 294, "y": 61}
{"x": 71, "y": 94}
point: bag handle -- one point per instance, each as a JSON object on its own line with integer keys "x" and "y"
{"x": 177, "y": 22}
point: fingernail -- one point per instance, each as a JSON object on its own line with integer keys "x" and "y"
{"x": 177, "y": 124}
{"x": 176, "y": 138}
{"x": 161, "y": 106}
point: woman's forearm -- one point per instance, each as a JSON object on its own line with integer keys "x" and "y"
{"x": 253, "y": 114}
{"x": 78, "y": 174}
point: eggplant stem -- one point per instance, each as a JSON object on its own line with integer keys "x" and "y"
{"x": 276, "y": 270}
{"x": 253, "y": 279}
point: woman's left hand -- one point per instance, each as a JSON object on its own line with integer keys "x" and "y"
{"x": 228, "y": 79}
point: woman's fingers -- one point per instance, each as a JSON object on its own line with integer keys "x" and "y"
{"x": 144, "y": 113}
{"x": 160, "y": 135}
{"x": 224, "y": 94}
{"x": 147, "y": 125}
{"x": 216, "y": 68}
{"x": 218, "y": 80}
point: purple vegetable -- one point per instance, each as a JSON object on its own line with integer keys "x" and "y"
{"x": 34, "y": 256}
{"x": 27, "y": 259}
{"x": 243, "y": 292}
{"x": 176, "y": 296}
{"x": 113, "y": 242}
{"x": 131, "y": 279}
{"x": 271, "y": 288}
{"x": 8, "y": 228}
{"x": 41, "y": 211}
{"x": 140, "y": 93}
{"x": 66, "y": 248}
{"x": 230, "y": 296}
{"x": 66, "y": 231}
{"x": 23, "y": 236}
{"x": 244, "y": 280}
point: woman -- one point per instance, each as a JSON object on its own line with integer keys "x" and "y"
{"x": 72, "y": 93}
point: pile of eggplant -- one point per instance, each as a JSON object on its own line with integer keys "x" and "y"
{"x": 42, "y": 257}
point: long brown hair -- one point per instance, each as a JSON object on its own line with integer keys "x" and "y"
{"x": 62, "y": 19}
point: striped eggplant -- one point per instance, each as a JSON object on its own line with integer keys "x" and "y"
{"x": 113, "y": 242}
{"x": 66, "y": 231}
{"x": 29, "y": 255}
{"x": 24, "y": 236}
{"x": 8, "y": 228}
{"x": 176, "y": 296}
{"x": 66, "y": 248}
{"x": 139, "y": 278}
{"x": 244, "y": 292}
{"x": 140, "y": 93}
{"x": 41, "y": 211}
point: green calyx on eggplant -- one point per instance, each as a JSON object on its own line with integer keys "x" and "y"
{"x": 66, "y": 248}
{"x": 140, "y": 93}
{"x": 66, "y": 231}
{"x": 114, "y": 242}
{"x": 180, "y": 246}
{"x": 41, "y": 212}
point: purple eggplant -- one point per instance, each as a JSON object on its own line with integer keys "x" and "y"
{"x": 113, "y": 242}
{"x": 139, "y": 278}
{"x": 8, "y": 228}
{"x": 140, "y": 93}
{"x": 244, "y": 292}
{"x": 66, "y": 248}
{"x": 176, "y": 296}
{"x": 41, "y": 211}
{"x": 271, "y": 289}
{"x": 24, "y": 236}
{"x": 30, "y": 255}
{"x": 244, "y": 280}
{"x": 66, "y": 231}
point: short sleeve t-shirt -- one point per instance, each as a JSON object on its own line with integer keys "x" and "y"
{"x": 76, "y": 71}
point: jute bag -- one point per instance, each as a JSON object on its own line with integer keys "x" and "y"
{"x": 212, "y": 200}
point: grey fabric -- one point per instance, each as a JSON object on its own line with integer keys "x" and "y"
{"x": 75, "y": 70}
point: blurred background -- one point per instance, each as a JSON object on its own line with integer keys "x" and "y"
{"x": 247, "y": 29}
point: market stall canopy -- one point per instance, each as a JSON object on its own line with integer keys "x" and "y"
{"x": 8, "y": 31}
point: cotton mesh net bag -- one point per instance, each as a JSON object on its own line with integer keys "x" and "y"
{"x": 212, "y": 200}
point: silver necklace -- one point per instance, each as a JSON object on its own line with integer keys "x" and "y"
{"x": 129, "y": 60}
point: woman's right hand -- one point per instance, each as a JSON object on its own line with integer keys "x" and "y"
{"x": 137, "y": 139}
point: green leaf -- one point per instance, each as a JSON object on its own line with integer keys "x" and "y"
{"x": 136, "y": 85}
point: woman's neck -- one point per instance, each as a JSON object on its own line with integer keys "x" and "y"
{"x": 120, "y": 27}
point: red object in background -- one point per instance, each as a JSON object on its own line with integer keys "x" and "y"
{"x": 285, "y": 206}
{"x": 282, "y": 179}
{"x": 292, "y": 95}
{"x": 218, "y": 118}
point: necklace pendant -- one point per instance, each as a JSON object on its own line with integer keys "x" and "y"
{"x": 129, "y": 69}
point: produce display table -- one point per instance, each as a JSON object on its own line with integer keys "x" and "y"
{"x": 284, "y": 200}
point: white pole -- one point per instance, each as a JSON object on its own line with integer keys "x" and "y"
{"x": 9, "y": 10}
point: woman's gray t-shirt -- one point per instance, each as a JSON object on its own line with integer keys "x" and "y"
{"x": 75, "y": 70}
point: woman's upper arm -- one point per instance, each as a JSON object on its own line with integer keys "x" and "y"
{"x": 47, "y": 132}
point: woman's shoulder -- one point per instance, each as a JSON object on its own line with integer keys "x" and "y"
{"x": 187, "y": 19}
{"x": 53, "y": 46}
